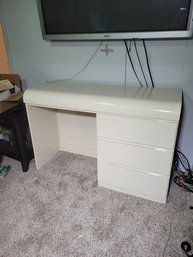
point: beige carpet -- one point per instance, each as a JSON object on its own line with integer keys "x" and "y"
{"x": 60, "y": 211}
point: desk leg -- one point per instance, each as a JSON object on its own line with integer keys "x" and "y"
{"x": 44, "y": 133}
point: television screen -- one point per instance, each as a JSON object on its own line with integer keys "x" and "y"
{"x": 115, "y": 19}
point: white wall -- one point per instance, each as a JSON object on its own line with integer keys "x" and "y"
{"x": 38, "y": 61}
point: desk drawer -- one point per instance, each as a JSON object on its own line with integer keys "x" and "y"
{"x": 134, "y": 130}
{"x": 131, "y": 182}
{"x": 150, "y": 159}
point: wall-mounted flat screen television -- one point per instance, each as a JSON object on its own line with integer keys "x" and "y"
{"x": 115, "y": 19}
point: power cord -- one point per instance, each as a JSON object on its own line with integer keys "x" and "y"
{"x": 137, "y": 53}
{"x": 181, "y": 182}
{"x": 184, "y": 179}
{"x": 88, "y": 62}
{"x": 125, "y": 77}
{"x": 140, "y": 64}
{"x": 131, "y": 62}
{"x": 147, "y": 61}
{"x": 180, "y": 158}
{"x": 82, "y": 69}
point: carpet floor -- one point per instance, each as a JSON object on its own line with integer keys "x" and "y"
{"x": 59, "y": 210}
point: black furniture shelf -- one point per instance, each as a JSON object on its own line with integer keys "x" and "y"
{"x": 15, "y": 138}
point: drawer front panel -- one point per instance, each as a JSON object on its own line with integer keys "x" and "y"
{"x": 149, "y": 159}
{"x": 136, "y": 183}
{"x": 141, "y": 131}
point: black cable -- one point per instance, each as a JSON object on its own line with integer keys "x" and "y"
{"x": 180, "y": 158}
{"x": 125, "y": 83}
{"x": 136, "y": 50}
{"x": 185, "y": 177}
{"x": 184, "y": 161}
{"x": 179, "y": 181}
{"x": 131, "y": 62}
{"x": 148, "y": 66}
{"x": 186, "y": 247}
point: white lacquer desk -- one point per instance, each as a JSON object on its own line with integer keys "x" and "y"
{"x": 130, "y": 130}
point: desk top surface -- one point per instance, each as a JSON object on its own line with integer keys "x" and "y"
{"x": 159, "y": 103}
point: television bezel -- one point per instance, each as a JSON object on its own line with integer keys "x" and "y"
{"x": 188, "y": 33}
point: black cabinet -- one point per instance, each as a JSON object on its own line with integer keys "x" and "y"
{"x": 15, "y": 138}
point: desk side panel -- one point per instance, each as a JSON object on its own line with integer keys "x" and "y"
{"x": 44, "y": 132}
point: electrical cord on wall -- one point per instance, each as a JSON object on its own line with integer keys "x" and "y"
{"x": 139, "y": 60}
{"x": 125, "y": 78}
{"x": 131, "y": 62}
{"x": 130, "y": 59}
{"x": 147, "y": 61}
{"x": 83, "y": 68}
{"x": 140, "y": 63}
{"x": 88, "y": 62}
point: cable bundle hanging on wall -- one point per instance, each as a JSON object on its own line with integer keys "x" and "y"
{"x": 140, "y": 64}
{"x": 131, "y": 62}
{"x": 147, "y": 61}
{"x": 141, "y": 67}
